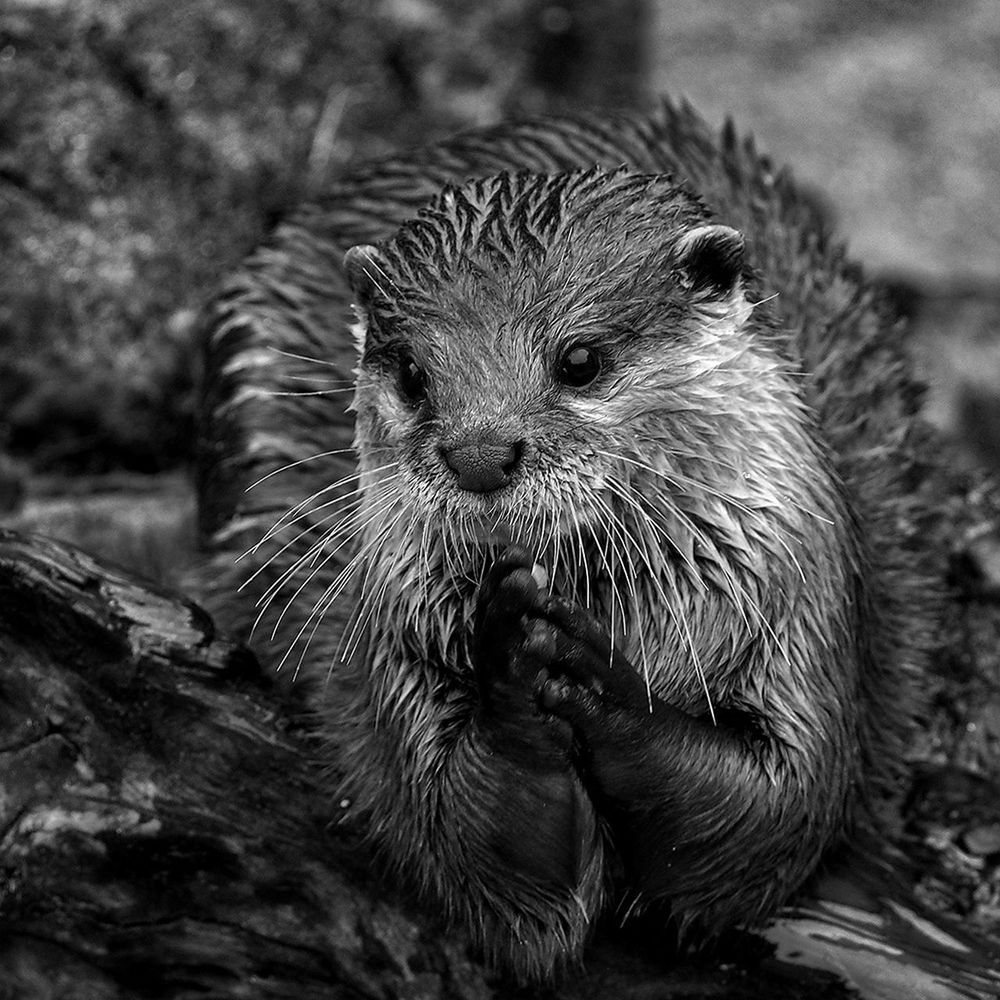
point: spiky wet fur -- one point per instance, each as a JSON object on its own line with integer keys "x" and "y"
{"x": 747, "y": 483}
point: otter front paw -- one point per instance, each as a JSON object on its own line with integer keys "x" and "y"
{"x": 513, "y": 641}
{"x": 617, "y": 721}
{"x": 585, "y": 670}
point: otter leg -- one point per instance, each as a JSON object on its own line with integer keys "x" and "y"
{"x": 717, "y": 820}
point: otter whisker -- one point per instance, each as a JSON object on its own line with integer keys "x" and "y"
{"x": 751, "y": 372}
{"x": 754, "y": 514}
{"x": 584, "y": 564}
{"x": 333, "y": 590}
{"x": 307, "y": 392}
{"x": 362, "y": 609}
{"x": 349, "y": 382}
{"x": 655, "y": 574}
{"x": 463, "y": 535}
{"x": 738, "y": 593}
{"x": 424, "y": 557}
{"x": 574, "y": 556}
{"x": 449, "y": 557}
{"x": 292, "y": 600}
{"x": 342, "y": 501}
{"x": 333, "y": 593}
{"x": 302, "y": 504}
{"x": 299, "y": 561}
{"x": 326, "y": 362}
{"x": 374, "y": 561}
{"x": 806, "y": 510}
{"x": 343, "y": 523}
{"x": 615, "y": 529}
{"x": 615, "y": 600}
{"x": 380, "y": 504}
{"x": 335, "y": 509}
{"x": 401, "y": 559}
{"x": 767, "y": 298}
{"x": 356, "y": 633}
{"x": 381, "y": 270}
{"x": 531, "y": 533}
{"x": 332, "y": 512}
{"x": 302, "y": 510}
{"x": 626, "y": 493}
{"x": 675, "y": 478}
{"x": 671, "y": 542}
{"x": 551, "y": 544}
{"x": 371, "y": 277}
{"x": 629, "y": 905}
{"x": 301, "y": 461}
{"x": 674, "y": 509}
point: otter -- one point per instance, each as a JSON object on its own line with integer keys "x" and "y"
{"x": 623, "y": 598}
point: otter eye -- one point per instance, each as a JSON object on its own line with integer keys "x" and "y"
{"x": 412, "y": 380}
{"x": 579, "y": 366}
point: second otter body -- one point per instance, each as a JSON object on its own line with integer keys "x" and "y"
{"x": 570, "y": 362}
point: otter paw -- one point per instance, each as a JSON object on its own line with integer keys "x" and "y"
{"x": 512, "y": 639}
{"x": 585, "y": 671}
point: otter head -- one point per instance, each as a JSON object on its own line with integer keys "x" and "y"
{"x": 529, "y": 341}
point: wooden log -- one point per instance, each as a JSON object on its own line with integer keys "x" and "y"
{"x": 164, "y": 827}
{"x": 166, "y": 832}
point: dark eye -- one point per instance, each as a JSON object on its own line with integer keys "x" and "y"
{"x": 412, "y": 381}
{"x": 579, "y": 366}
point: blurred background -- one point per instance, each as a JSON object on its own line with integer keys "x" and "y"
{"x": 146, "y": 146}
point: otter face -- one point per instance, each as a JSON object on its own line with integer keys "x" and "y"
{"x": 525, "y": 334}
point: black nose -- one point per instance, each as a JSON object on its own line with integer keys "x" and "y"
{"x": 482, "y": 463}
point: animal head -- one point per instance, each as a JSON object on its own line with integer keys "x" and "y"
{"x": 526, "y": 335}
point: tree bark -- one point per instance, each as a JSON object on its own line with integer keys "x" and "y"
{"x": 166, "y": 831}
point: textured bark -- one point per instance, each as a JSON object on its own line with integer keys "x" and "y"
{"x": 165, "y": 831}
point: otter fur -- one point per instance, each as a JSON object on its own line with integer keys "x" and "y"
{"x": 612, "y": 591}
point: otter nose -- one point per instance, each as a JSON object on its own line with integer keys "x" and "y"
{"x": 482, "y": 463}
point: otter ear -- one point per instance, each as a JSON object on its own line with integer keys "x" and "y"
{"x": 708, "y": 261}
{"x": 365, "y": 271}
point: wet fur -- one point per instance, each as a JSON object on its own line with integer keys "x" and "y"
{"x": 729, "y": 503}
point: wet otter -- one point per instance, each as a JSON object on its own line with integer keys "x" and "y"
{"x": 693, "y": 422}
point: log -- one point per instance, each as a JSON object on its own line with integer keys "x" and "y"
{"x": 166, "y": 832}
